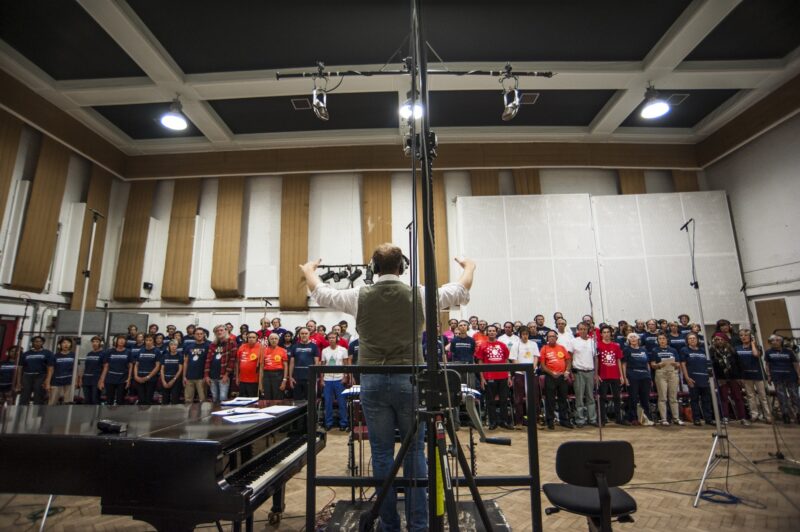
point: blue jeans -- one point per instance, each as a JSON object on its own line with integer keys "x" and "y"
{"x": 219, "y": 390}
{"x": 333, "y": 392}
{"x": 388, "y": 403}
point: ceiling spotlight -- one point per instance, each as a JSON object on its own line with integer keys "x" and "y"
{"x": 174, "y": 119}
{"x": 406, "y": 110}
{"x": 510, "y": 84}
{"x": 368, "y": 276}
{"x": 654, "y": 105}
{"x": 327, "y": 276}
{"x": 355, "y": 275}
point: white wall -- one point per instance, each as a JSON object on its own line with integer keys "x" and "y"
{"x": 762, "y": 181}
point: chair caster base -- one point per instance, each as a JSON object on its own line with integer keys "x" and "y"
{"x": 551, "y": 511}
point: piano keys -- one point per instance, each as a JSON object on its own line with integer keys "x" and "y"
{"x": 176, "y": 466}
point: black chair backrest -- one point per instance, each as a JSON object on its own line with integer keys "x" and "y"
{"x": 577, "y": 462}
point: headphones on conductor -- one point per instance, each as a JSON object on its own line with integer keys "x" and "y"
{"x": 404, "y": 264}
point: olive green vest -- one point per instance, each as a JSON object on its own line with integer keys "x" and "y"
{"x": 384, "y": 324}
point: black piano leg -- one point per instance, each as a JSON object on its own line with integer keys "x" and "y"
{"x": 237, "y": 526}
{"x": 278, "y": 506}
{"x": 248, "y": 524}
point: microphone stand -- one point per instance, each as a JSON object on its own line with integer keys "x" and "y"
{"x": 721, "y": 445}
{"x": 19, "y": 350}
{"x": 778, "y": 455}
{"x": 595, "y": 386}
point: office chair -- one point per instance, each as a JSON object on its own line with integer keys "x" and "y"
{"x": 591, "y": 471}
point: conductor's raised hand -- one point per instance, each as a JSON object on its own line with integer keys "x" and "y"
{"x": 310, "y": 267}
{"x": 465, "y": 263}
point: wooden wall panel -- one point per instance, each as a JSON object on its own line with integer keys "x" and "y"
{"x": 485, "y": 182}
{"x": 180, "y": 242}
{"x": 772, "y": 315}
{"x": 47, "y": 117}
{"x": 390, "y": 158}
{"x": 228, "y": 238}
{"x": 98, "y": 199}
{"x": 294, "y": 241}
{"x": 130, "y": 264}
{"x": 441, "y": 246}
{"x": 685, "y": 181}
{"x": 526, "y": 181}
{"x": 631, "y": 181}
{"x": 10, "y": 134}
{"x": 38, "y": 239}
{"x": 779, "y": 105}
{"x": 376, "y": 211}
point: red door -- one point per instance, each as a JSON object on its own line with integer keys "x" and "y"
{"x": 8, "y": 332}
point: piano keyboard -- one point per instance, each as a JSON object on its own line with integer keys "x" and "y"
{"x": 278, "y": 459}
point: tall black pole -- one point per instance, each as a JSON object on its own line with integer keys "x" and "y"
{"x": 420, "y": 65}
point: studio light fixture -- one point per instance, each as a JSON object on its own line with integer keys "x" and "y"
{"x": 319, "y": 96}
{"x": 510, "y": 84}
{"x": 327, "y": 276}
{"x": 368, "y": 277}
{"x": 654, "y": 105}
{"x": 341, "y": 274}
{"x": 407, "y": 109}
{"x": 355, "y": 275}
{"x": 174, "y": 118}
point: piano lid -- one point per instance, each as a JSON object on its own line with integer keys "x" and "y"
{"x": 169, "y": 422}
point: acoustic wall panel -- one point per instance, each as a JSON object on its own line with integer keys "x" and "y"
{"x": 294, "y": 241}
{"x": 260, "y": 257}
{"x": 629, "y": 247}
{"x": 10, "y": 136}
{"x": 228, "y": 238}
{"x": 98, "y": 198}
{"x": 133, "y": 243}
{"x": 37, "y": 243}
{"x": 376, "y": 211}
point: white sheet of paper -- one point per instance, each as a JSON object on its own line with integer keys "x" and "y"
{"x": 277, "y": 409}
{"x": 247, "y": 418}
{"x": 235, "y": 411}
{"x": 240, "y": 401}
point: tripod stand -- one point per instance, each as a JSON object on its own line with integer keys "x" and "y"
{"x": 596, "y": 387}
{"x": 722, "y": 444}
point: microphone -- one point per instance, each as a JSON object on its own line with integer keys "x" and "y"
{"x": 588, "y": 286}
{"x": 684, "y": 226}
{"x": 96, "y": 213}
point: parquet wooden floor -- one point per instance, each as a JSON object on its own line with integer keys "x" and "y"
{"x": 666, "y": 458}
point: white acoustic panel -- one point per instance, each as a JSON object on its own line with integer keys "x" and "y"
{"x": 71, "y": 244}
{"x": 262, "y": 236}
{"x": 625, "y": 289}
{"x": 629, "y": 247}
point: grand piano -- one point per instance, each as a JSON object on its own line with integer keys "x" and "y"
{"x": 176, "y": 466}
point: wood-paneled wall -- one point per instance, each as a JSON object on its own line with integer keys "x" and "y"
{"x": 631, "y": 181}
{"x": 228, "y": 238}
{"x": 98, "y": 199}
{"x": 685, "y": 181}
{"x": 37, "y": 243}
{"x": 180, "y": 242}
{"x": 485, "y": 182}
{"x": 376, "y": 211}
{"x": 441, "y": 246}
{"x": 10, "y": 133}
{"x": 526, "y": 181}
{"x": 294, "y": 241}
{"x": 130, "y": 263}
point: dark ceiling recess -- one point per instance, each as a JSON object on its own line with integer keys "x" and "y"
{"x": 254, "y": 34}
{"x": 63, "y": 40}
{"x": 365, "y": 110}
{"x": 141, "y": 121}
{"x": 691, "y": 110}
{"x": 483, "y": 108}
{"x": 755, "y": 29}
